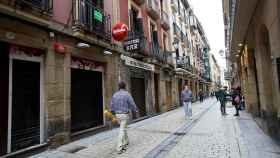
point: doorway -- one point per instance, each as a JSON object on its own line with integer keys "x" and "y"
{"x": 4, "y": 84}
{"x": 138, "y": 94}
{"x": 25, "y": 116}
{"x": 86, "y": 99}
{"x": 168, "y": 86}
{"x": 156, "y": 80}
{"x": 180, "y": 88}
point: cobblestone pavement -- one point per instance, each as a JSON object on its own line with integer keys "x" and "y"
{"x": 171, "y": 135}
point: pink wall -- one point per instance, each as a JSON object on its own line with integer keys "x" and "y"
{"x": 62, "y": 11}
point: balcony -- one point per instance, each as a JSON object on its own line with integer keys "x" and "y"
{"x": 157, "y": 54}
{"x": 153, "y": 9}
{"x": 174, "y": 5}
{"x": 139, "y": 2}
{"x": 176, "y": 31}
{"x": 184, "y": 63}
{"x": 136, "y": 44}
{"x": 39, "y": 7}
{"x": 165, "y": 20}
{"x": 184, "y": 40}
{"x": 87, "y": 18}
{"x": 169, "y": 58}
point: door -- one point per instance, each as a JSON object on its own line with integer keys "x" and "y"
{"x": 4, "y": 84}
{"x": 168, "y": 94}
{"x": 180, "y": 88}
{"x": 86, "y": 99}
{"x": 156, "y": 94}
{"x": 138, "y": 94}
{"x": 25, "y": 105}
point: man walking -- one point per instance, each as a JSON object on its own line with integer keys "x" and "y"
{"x": 201, "y": 95}
{"x": 222, "y": 98}
{"x": 121, "y": 103}
{"x": 186, "y": 97}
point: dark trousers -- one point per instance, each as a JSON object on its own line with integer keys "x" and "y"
{"x": 223, "y": 107}
{"x": 236, "y": 109}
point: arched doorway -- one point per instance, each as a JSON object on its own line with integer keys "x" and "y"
{"x": 264, "y": 71}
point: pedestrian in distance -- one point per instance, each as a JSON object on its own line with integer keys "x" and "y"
{"x": 121, "y": 104}
{"x": 222, "y": 98}
{"x": 201, "y": 95}
{"x": 186, "y": 97}
{"x": 236, "y": 97}
{"x": 217, "y": 95}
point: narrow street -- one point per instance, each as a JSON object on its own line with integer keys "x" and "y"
{"x": 170, "y": 135}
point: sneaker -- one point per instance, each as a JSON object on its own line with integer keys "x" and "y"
{"x": 121, "y": 151}
{"x": 191, "y": 118}
{"x": 236, "y": 115}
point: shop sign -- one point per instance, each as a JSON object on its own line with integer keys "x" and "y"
{"x": 139, "y": 64}
{"x": 98, "y": 15}
{"x": 132, "y": 45}
{"x": 120, "y": 31}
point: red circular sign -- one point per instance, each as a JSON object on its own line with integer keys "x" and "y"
{"x": 120, "y": 31}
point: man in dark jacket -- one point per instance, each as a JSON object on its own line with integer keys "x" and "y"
{"x": 222, "y": 94}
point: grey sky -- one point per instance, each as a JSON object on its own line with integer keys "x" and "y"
{"x": 210, "y": 14}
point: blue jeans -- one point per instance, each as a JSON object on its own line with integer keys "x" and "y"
{"x": 188, "y": 108}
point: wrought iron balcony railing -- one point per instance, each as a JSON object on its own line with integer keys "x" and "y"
{"x": 138, "y": 39}
{"x": 45, "y": 6}
{"x": 184, "y": 63}
{"x": 157, "y": 53}
{"x": 176, "y": 30}
{"x": 90, "y": 18}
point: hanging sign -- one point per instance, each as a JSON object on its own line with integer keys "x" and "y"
{"x": 136, "y": 63}
{"x": 132, "y": 45}
{"x": 120, "y": 31}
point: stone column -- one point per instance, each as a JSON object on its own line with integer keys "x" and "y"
{"x": 57, "y": 91}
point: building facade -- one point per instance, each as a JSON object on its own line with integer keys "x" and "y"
{"x": 253, "y": 31}
{"x": 215, "y": 74}
{"x": 190, "y": 47}
{"x": 61, "y": 68}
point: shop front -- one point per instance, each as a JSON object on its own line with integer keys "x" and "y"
{"x": 138, "y": 76}
{"x": 86, "y": 94}
{"x": 22, "y": 108}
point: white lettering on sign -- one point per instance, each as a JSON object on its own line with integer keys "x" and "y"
{"x": 135, "y": 63}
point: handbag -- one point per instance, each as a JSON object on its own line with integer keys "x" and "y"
{"x": 237, "y": 99}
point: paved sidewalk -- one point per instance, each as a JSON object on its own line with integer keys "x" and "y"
{"x": 144, "y": 136}
{"x": 216, "y": 136}
{"x": 170, "y": 135}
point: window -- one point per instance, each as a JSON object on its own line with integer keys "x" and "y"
{"x": 133, "y": 19}
{"x": 164, "y": 42}
{"x": 98, "y": 3}
{"x": 153, "y": 33}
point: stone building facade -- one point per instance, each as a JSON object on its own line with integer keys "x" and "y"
{"x": 60, "y": 67}
{"x": 255, "y": 57}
